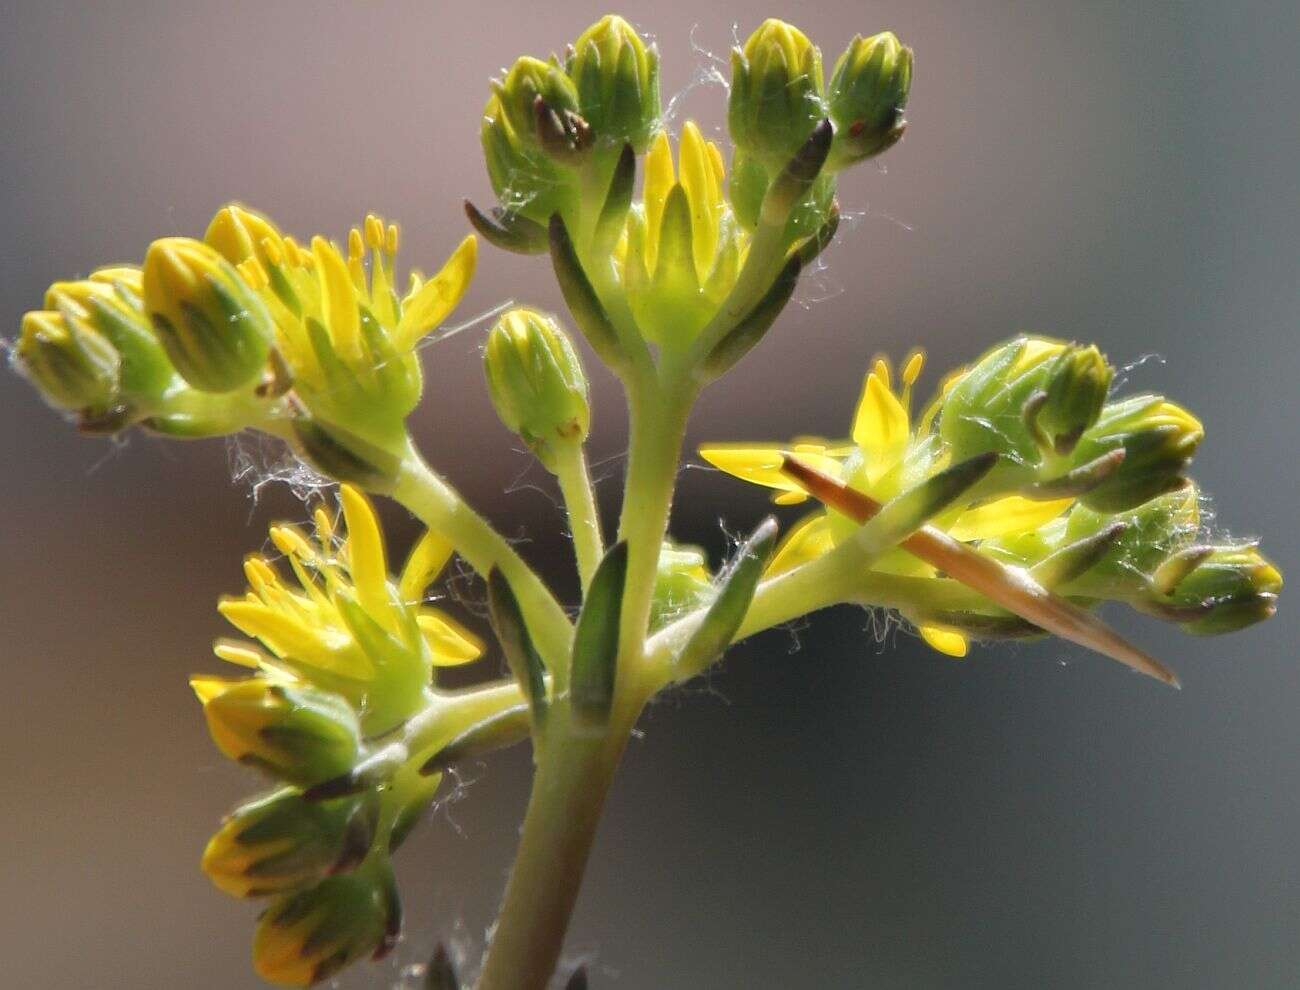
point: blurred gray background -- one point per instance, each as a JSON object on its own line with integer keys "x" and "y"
{"x": 828, "y": 811}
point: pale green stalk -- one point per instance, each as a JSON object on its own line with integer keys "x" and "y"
{"x": 436, "y": 504}
{"x": 580, "y": 502}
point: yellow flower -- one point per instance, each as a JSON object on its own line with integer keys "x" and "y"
{"x": 886, "y": 454}
{"x": 345, "y": 333}
{"x": 683, "y": 250}
{"x": 344, "y": 625}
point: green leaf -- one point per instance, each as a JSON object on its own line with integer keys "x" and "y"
{"x": 754, "y": 325}
{"x": 524, "y": 661}
{"x": 724, "y": 616}
{"x": 579, "y": 295}
{"x": 508, "y": 231}
{"x": 505, "y": 728}
{"x": 908, "y": 512}
{"x": 617, "y": 201}
{"x": 595, "y": 639}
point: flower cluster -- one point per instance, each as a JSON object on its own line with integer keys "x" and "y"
{"x": 341, "y": 710}
{"x": 703, "y": 263}
{"x": 1019, "y": 498}
{"x": 248, "y": 328}
{"x": 1089, "y": 495}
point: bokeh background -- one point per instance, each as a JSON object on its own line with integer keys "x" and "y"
{"x": 828, "y": 810}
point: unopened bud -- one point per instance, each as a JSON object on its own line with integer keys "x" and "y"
{"x": 1077, "y": 386}
{"x": 868, "y": 91}
{"x": 297, "y": 734}
{"x": 214, "y": 328}
{"x": 69, "y": 362}
{"x": 617, "y": 79}
{"x": 682, "y": 582}
{"x": 525, "y": 177}
{"x": 1158, "y": 438}
{"x": 776, "y": 94}
{"x": 984, "y": 409}
{"x": 1232, "y": 587}
{"x": 280, "y": 842}
{"x": 110, "y": 301}
{"x": 309, "y": 936}
{"x": 536, "y": 381}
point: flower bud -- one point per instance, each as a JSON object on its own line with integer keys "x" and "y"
{"x": 983, "y": 410}
{"x": 279, "y": 842}
{"x": 617, "y": 80}
{"x": 110, "y": 302}
{"x": 1158, "y": 438}
{"x": 776, "y": 93}
{"x": 868, "y": 91}
{"x": 73, "y": 366}
{"x": 528, "y": 79}
{"x": 309, "y": 936}
{"x": 298, "y": 734}
{"x": 214, "y": 328}
{"x": 1233, "y": 587}
{"x": 536, "y": 381}
{"x": 531, "y": 131}
{"x": 1078, "y": 384}
{"x": 681, "y": 583}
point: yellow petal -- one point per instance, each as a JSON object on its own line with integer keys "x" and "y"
{"x": 338, "y": 299}
{"x": 450, "y": 642}
{"x": 659, "y": 179}
{"x": 810, "y": 538}
{"x": 762, "y": 465}
{"x": 206, "y": 687}
{"x": 1006, "y": 517}
{"x": 703, "y": 194}
{"x": 429, "y": 305}
{"x": 365, "y": 548}
{"x": 426, "y": 560}
{"x": 945, "y": 640}
{"x": 880, "y": 426}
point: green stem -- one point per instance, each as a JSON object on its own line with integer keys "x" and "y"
{"x": 569, "y": 790}
{"x": 580, "y": 502}
{"x": 658, "y": 414}
{"x": 436, "y": 504}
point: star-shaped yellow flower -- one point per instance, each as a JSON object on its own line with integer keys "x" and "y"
{"x": 886, "y": 454}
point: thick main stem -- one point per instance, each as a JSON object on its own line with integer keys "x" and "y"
{"x": 569, "y": 790}
{"x": 575, "y": 769}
